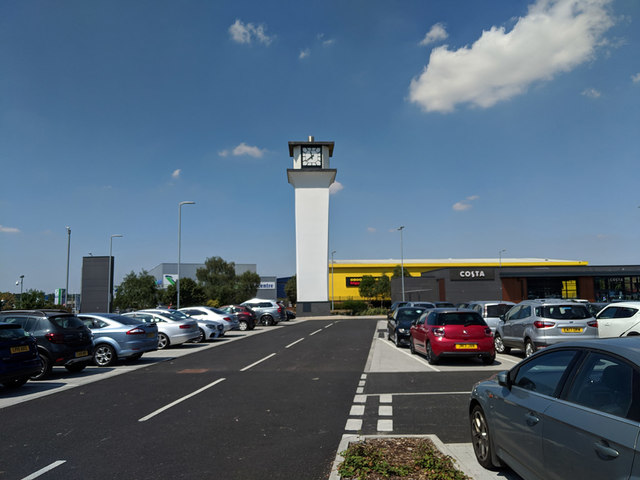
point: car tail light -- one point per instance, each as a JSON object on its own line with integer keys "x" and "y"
{"x": 541, "y": 324}
{"x": 227, "y": 319}
{"x": 593, "y": 323}
{"x": 136, "y": 331}
{"x": 185, "y": 327}
{"x": 55, "y": 337}
{"x": 487, "y": 332}
{"x": 438, "y": 332}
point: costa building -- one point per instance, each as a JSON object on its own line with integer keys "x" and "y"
{"x": 513, "y": 279}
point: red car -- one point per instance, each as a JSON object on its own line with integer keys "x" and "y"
{"x": 451, "y": 332}
{"x": 246, "y": 316}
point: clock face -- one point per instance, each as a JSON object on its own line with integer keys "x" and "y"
{"x": 312, "y": 156}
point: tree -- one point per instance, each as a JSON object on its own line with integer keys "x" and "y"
{"x": 32, "y": 299}
{"x": 291, "y": 290}
{"x": 383, "y": 288}
{"x": 191, "y": 293}
{"x": 367, "y": 287}
{"x": 246, "y": 286}
{"x": 137, "y": 292}
{"x": 397, "y": 272}
{"x": 7, "y": 301}
{"x": 220, "y": 282}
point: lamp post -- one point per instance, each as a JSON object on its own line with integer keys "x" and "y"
{"x": 332, "y": 305}
{"x": 21, "y": 283}
{"x": 179, "y": 245}
{"x": 401, "y": 228}
{"x": 66, "y": 289}
{"x": 500, "y": 252}
{"x": 109, "y": 277}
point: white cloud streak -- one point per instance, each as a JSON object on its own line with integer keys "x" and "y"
{"x": 435, "y": 34}
{"x": 335, "y": 188}
{"x": 635, "y": 78}
{"x": 176, "y": 173}
{"x": 304, "y": 53}
{"x": 465, "y": 204}
{"x": 555, "y": 36}
{"x": 591, "y": 93}
{"x": 247, "y": 33}
{"x": 4, "y": 229}
{"x": 243, "y": 149}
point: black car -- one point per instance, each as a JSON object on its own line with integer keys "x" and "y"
{"x": 399, "y": 325}
{"x": 19, "y": 358}
{"x": 61, "y": 337}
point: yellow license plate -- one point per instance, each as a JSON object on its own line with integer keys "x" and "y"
{"x": 23, "y": 348}
{"x": 82, "y": 353}
{"x": 572, "y": 330}
{"x": 466, "y": 346}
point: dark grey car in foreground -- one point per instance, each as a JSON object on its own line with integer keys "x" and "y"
{"x": 570, "y": 411}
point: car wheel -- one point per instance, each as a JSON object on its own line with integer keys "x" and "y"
{"x": 104, "y": 355}
{"x": 529, "y": 348}
{"x": 395, "y": 340}
{"x": 489, "y": 359}
{"x": 480, "y": 437}
{"x": 267, "y": 319}
{"x": 163, "y": 341}
{"x": 244, "y": 326}
{"x": 201, "y": 336}
{"x": 75, "y": 367}
{"x": 45, "y": 371}
{"x": 499, "y": 345}
{"x": 15, "y": 382}
{"x": 412, "y": 347}
{"x": 431, "y": 358}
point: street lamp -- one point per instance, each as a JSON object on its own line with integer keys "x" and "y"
{"x": 179, "y": 245}
{"x": 401, "y": 228}
{"x": 66, "y": 289}
{"x": 500, "y": 252}
{"x": 109, "y": 276}
{"x": 21, "y": 283}
{"x": 332, "y": 305}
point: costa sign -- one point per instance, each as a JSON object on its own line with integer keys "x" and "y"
{"x": 472, "y": 274}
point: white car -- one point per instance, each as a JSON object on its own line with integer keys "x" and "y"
{"x": 171, "y": 331}
{"x": 619, "y": 319}
{"x": 209, "y": 329}
{"x": 229, "y": 320}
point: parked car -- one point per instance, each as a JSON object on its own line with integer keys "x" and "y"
{"x": 532, "y": 324}
{"x": 116, "y": 337}
{"x": 267, "y": 311}
{"x": 19, "y": 358}
{"x": 229, "y": 320}
{"x": 570, "y": 411}
{"x": 288, "y": 314}
{"x": 394, "y": 306}
{"x": 595, "y": 307}
{"x": 421, "y": 304}
{"x": 619, "y": 320}
{"x": 171, "y": 331}
{"x": 491, "y": 311}
{"x": 452, "y": 332}
{"x": 399, "y": 325}
{"x": 246, "y": 317}
{"x": 444, "y": 305}
{"x": 61, "y": 337}
{"x": 209, "y": 329}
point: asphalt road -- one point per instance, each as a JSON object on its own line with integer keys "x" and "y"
{"x": 268, "y": 406}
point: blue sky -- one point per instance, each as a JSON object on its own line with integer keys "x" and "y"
{"x": 479, "y": 126}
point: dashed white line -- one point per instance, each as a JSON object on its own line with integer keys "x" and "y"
{"x": 44, "y": 470}
{"x": 292, "y": 344}
{"x": 313, "y": 333}
{"x": 256, "y": 363}
{"x": 385, "y": 410}
{"x": 353, "y": 425}
{"x": 328, "y": 325}
{"x": 173, "y": 404}
{"x": 385, "y": 425}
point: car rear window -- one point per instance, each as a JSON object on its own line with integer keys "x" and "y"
{"x": 67, "y": 321}
{"x": 563, "y": 312}
{"x": 459, "y": 318}
{"x": 8, "y": 332}
{"x": 497, "y": 310}
{"x": 126, "y": 320}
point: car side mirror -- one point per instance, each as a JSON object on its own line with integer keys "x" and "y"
{"x": 503, "y": 379}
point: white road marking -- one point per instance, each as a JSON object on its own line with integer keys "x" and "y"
{"x": 385, "y": 410}
{"x": 328, "y": 325}
{"x": 45, "y": 470}
{"x": 313, "y": 333}
{"x": 180, "y": 400}
{"x": 360, "y": 399}
{"x": 356, "y": 410}
{"x": 256, "y": 363}
{"x": 292, "y": 344}
{"x": 385, "y": 425}
{"x": 410, "y": 355}
{"x": 386, "y": 398}
{"x": 353, "y": 425}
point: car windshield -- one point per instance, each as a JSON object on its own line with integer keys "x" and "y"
{"x": 176, "y": 315}
{"x": 7, "y": 333}
{"x": 497, "y": 310}
{"x": 408, "y": 315}
{"x": 67, "y": 321}
{"x": 565, "y": 312}
{"x": 459, "y": 318}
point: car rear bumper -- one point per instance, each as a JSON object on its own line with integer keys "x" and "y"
{"x": 25, "y": 369}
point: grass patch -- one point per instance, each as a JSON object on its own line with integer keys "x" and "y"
{"x": 397, "y": 458}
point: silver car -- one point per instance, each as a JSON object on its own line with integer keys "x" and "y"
{"x": 570, "y": 411}
{"x": 229, "y": 320}
{"x": 268, "y": 312}
{"x": 532, "y": 324}
{"x": 491, "y": 311}
{"x": 116, "y": 337}
{"x": 209, "y": 329}
{"x": 171, "y": 331}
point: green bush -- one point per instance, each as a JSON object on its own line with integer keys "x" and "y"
{"x": 356, "y": 306}
{"x": 374, "y": 311}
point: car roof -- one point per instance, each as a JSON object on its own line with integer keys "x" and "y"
{"x": 40, "y": 312}
{"x": 624, "y": 304}
{"x": 550, "y": 301}
{"x": 627, "y": 347}
{"x": 491, "y": 302}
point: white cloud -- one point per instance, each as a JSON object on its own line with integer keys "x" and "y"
{"x": 555, "y": 36}
{"x": 326, "y": 42}
{"x": 304, "y": 53}
{"x": 176, "y": 173}
{"x": 371, "y": 230}
{"x": 435, "y": 34}
{"x": 591, "y": 93}
{"x": 335, "y": 188}
{"x": 246, "y": 33}
{"x": 4, "y": 229}
{"x": 635, "y": 78}
{"x": 465, "y": 204}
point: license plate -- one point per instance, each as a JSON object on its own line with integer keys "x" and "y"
{"x": 466, "y": 346}
{"x": 151, "y": 335}
{"x": 23, "y": 348}
{"x": 572, "y": 330}
{"x": 82, "y": 353}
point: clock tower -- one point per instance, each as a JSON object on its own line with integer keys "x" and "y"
{"x": 311, "y": 178}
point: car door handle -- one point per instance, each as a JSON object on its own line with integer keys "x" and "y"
{"x": 604, "y": 451}
{"x": 532, "y": 419}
